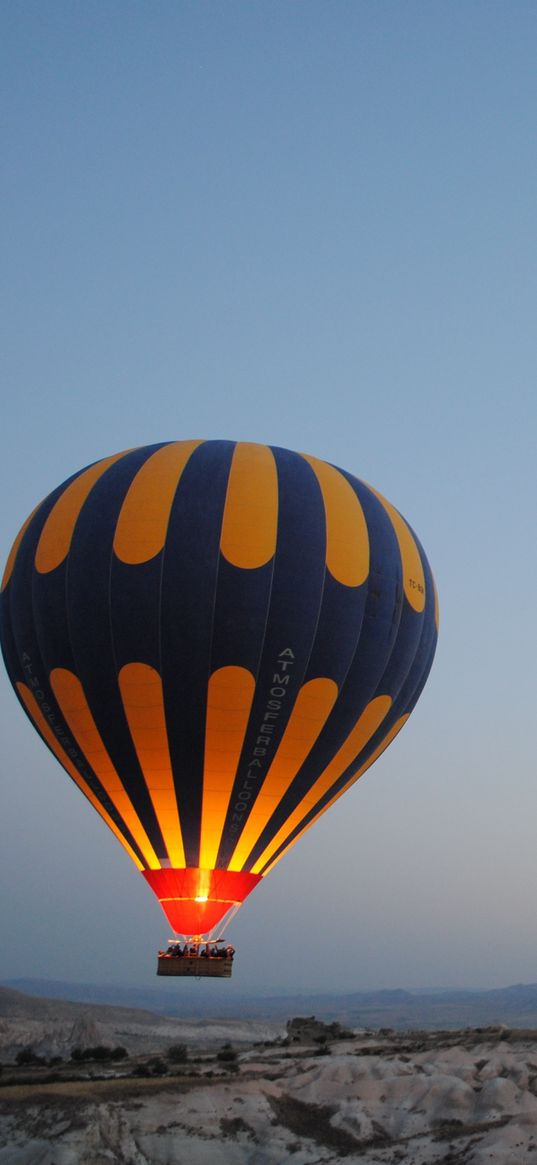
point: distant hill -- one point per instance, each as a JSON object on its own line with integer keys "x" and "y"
{"x": 14, "y": 1004}
{"x": 515, "y": 1006}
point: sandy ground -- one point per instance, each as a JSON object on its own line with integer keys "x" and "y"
{"x": 468, "y": 1097}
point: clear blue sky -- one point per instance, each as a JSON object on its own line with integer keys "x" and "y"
{"x": 313, "y": 225}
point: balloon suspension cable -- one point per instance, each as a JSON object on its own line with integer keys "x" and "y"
{"x": 229, "y": 917}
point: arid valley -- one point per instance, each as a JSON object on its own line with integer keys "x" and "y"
{"x": 89, "y": 1084}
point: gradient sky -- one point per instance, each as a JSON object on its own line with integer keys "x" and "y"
{"x": 312, "y": 225}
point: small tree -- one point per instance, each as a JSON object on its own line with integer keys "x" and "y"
{"x": 227, "y": 1054}
{"x": 178, "y": 1053}
{"x": 26, "y": 1056}
{"x": 100, "y": 1052}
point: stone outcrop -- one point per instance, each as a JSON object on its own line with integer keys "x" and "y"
{"x": 309, "y": 1030}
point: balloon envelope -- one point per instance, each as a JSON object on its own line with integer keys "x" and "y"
{"x": 215, "y": 640}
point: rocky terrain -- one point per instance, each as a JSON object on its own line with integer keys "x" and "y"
{"x": 52, "y": 1027}
{"x": 373, "y": 1097}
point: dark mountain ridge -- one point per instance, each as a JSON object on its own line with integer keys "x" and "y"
{"x": 515, "y": 1005}
{"x": 15, "y": 1004}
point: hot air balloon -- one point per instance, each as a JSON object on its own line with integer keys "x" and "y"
{"x": 215, "y": 639}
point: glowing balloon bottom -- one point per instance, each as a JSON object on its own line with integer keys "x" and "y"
{"x": 196, "y": 901}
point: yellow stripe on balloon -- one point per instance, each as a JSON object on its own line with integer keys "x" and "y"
{"x": 375, "y": 755}
{"x": 413, "y": 575}
{"x": 56, "y": 535}
{"x": 250, "y": 523}
{"x": 34, "y": 711}
{"x": 364, "y": 729}
{"x": 12, "y": 557}
{"x": 71, "y": 699}
{"x": 143, "y": 520}
{"x": 312, "y": 708}
{"x": 229, "y": 701}
{"x": 143, "y": 701}
{"x": 347, "y": 538}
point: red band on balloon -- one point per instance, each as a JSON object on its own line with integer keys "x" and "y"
{"x": 195, "y": 901}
